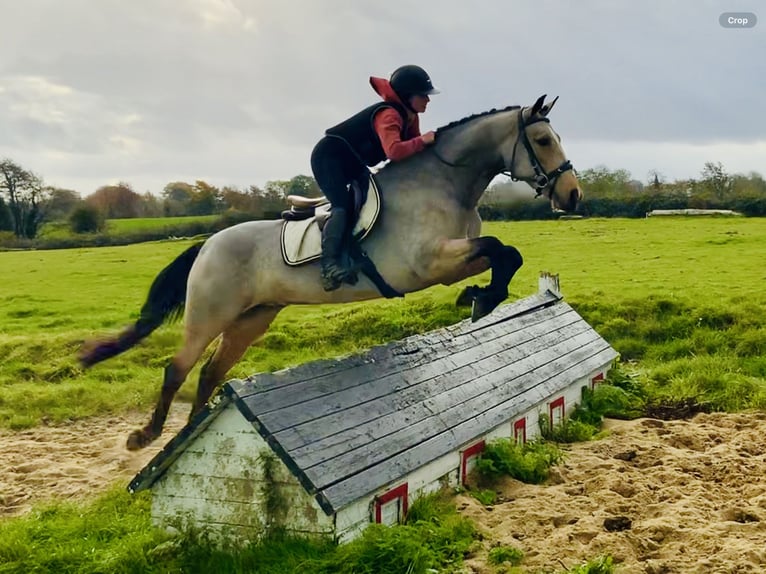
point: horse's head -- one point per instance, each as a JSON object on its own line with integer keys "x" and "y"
{"x": 535, "y": 156}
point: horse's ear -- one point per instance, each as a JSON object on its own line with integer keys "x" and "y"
{"x": 548, "y": 107}
{"x": 538, "y": 105}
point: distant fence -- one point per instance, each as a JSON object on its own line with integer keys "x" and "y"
{"x": 657, "y": 212}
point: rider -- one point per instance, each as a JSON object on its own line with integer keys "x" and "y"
{"x": 388, "y": 129}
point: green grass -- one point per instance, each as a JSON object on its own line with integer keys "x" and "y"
{"x": 529, "y": 462}
{"x": 681, "y": 299}
{"x": 113, "y": 534}
{"x": 601, "y": 565}
{"x": 506, "y": 554}
{"x": 117, "y": 226}
{"x": 61, "y": 230}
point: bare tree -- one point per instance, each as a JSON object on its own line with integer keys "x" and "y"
{"x": 25, "y": 193}
{"x": 715, "y": 180}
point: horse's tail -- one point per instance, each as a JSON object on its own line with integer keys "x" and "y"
{"x": 166, "y": 299}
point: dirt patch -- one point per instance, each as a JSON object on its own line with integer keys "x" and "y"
{"x": 679, "y": 496}
{"x": 74, "y": 460}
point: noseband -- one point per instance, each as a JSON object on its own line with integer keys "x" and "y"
{"x": 540, "y": 180}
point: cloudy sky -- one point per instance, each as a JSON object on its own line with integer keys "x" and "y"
{"x": 236, "y": 92}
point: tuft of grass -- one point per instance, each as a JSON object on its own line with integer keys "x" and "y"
{"x": 567, "y": 431}
{"x": 530, "y": 462}
{"x": 486, "y": 496}
{"x": 435, "y": 537}
{"x": 505, "y": 555}
{"x": 600, "y": 565}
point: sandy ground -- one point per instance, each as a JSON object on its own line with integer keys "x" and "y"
{"x": 690, "y": 497}
{"x": 680, "y": 496}
{"x": 74, "y": 460}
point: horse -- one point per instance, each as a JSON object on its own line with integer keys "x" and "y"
{"x": 232, "y": 285}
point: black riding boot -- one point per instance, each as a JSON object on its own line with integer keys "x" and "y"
{"x": 334, "y": 268}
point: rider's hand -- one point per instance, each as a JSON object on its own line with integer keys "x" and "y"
{"x": 429, "y": 138}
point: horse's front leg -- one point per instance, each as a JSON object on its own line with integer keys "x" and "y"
{"x": 461, "y": 258}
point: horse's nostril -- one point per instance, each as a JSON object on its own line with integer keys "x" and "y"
{"x": 574, "y": 196}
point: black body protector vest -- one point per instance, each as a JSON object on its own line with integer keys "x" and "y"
{"x": 358, "y": 131}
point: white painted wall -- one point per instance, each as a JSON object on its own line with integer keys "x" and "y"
{"x": 217, "y": 483}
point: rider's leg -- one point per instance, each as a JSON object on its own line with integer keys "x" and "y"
{"x": 335, "y": 270}
{"x": 333, "y": 166}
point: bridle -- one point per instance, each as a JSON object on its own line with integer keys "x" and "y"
{"x": 540, "y": 180}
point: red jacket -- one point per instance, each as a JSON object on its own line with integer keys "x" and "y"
{"x": 388, "y": 125}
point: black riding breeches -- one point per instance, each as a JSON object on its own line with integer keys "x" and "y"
{"x": 335, "y": 166}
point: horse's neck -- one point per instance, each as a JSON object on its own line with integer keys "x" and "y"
{"x": 461, "y": 165}
{"x": 479, "y": 141}
{"x": 475, "y": 150}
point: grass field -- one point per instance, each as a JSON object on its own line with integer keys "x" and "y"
{"x": 147, "y": 223}
{"x": 60, "y": 229}
{"x": 683, "y": 297}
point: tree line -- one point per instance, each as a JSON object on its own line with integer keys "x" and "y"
{"x": 26, "y": 202}
{"x": 614, "y": 193}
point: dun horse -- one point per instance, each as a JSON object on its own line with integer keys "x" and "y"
{"x": 236, "y": 282}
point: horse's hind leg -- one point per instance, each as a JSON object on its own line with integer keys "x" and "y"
{"x": 234, "y": 342}
{"x": 195, "y": 343}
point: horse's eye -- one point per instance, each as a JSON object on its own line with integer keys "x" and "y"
{"x": 544, "y": 141}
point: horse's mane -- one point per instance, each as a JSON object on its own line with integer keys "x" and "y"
{"x": 460, "y": 122}
{"x": 466, "y": 119}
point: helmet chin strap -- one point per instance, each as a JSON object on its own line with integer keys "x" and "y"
{"x": 405, "y": 101}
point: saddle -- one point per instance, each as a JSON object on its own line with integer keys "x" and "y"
{"x": 301, "y": 236}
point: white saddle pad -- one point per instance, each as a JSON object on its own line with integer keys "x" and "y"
{"x": 302, "y": 240}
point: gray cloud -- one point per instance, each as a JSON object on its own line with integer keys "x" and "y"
{"x": 237, "y": 92}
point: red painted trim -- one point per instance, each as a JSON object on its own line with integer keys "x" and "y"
{"x": 467, "y": 454}
{"x": 520, "y": 428}
{"x": 596, "y": 380}
{"x": 398, "y": 492}
{"x": 559, "y": 402}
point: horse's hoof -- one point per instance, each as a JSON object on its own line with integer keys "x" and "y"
{"x": 351, "y": 277}
{"x": 483, "y": 305}
{"x": 467, "y": 296}
{"x": 139, "y": 439}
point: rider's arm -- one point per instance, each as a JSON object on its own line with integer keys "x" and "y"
{"x": 388, "y": 126}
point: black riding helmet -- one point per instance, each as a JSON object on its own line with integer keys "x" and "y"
{"x": 411, "y": 80}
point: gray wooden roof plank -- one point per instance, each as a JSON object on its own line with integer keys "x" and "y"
{"x": 359, "y": 395}
{"x": 319, "y": 433}
{"x": 449, "y": 410}
{"x": 352, "y": 488}
{"x": 277, "y": 403}
{"x": 434, "y": 410}
{"x": 381, "y": 360}
{"x": 515, "y": 310}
